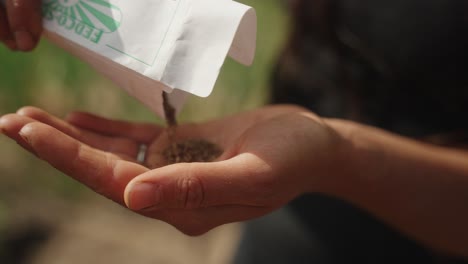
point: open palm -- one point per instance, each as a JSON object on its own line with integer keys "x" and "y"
{"x": 261, "y": 168}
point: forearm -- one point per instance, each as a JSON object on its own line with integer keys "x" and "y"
{"x": 418, "y": 188}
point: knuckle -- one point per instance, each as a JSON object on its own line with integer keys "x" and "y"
{"x": 101, "y": 174}
{"x": 190, "y": 192}
{"x": 93, "y": 175}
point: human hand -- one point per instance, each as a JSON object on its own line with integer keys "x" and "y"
{"x": 20, "y": 23}
{"x": 271, "y": 155}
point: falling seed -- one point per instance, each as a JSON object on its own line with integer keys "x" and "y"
{"x": 192, "y": 150}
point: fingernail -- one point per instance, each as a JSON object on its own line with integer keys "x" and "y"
{"x": 26, "y": 142}
{"x": 24, "y": 133}
{"x": 143, "y": 196}
{"x": 11, "y": 44}
{"x": 24, "y": 40}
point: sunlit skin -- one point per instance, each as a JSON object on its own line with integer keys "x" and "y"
{"x": 101, "y": 154}
{"x": 20, "y": 24}
{"x": 272, "y": 155}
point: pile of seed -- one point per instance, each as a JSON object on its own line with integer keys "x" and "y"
{"x": 192, "y": 150}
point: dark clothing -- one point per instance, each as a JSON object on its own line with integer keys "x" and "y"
{"x": 401, "y": 65}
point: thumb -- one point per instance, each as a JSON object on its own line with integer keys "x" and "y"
{"x": 199, "y": 185}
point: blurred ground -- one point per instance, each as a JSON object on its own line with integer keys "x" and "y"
{"x": 47, "y": 218}
{"x": 95, "y": 230}
{"x": 106, "y": 233}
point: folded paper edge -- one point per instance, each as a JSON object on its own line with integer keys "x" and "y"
{"x": 244, "y": 45}
{"x": 206, "y": 39}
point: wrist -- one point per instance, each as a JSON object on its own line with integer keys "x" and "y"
{"x": 354, "y": 156}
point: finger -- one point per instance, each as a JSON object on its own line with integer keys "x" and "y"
{"x": 198, "y": 222}
{"x": 242, "y": 180}
{"x": 103, "y": 172}
{"x": 143, "y": 133}
{"x": 116, "y": 145}
{"x": 5, "y": 35}
{"x": 24, "y": 18}
{"x": 10, "y": 125}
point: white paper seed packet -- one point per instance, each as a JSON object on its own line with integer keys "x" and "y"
{"x": 147, "y": 46}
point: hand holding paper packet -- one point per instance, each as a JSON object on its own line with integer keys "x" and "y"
{"x": 147, "y": 47}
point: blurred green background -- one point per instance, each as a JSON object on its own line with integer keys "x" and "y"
{"x": 59, "y": 83}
